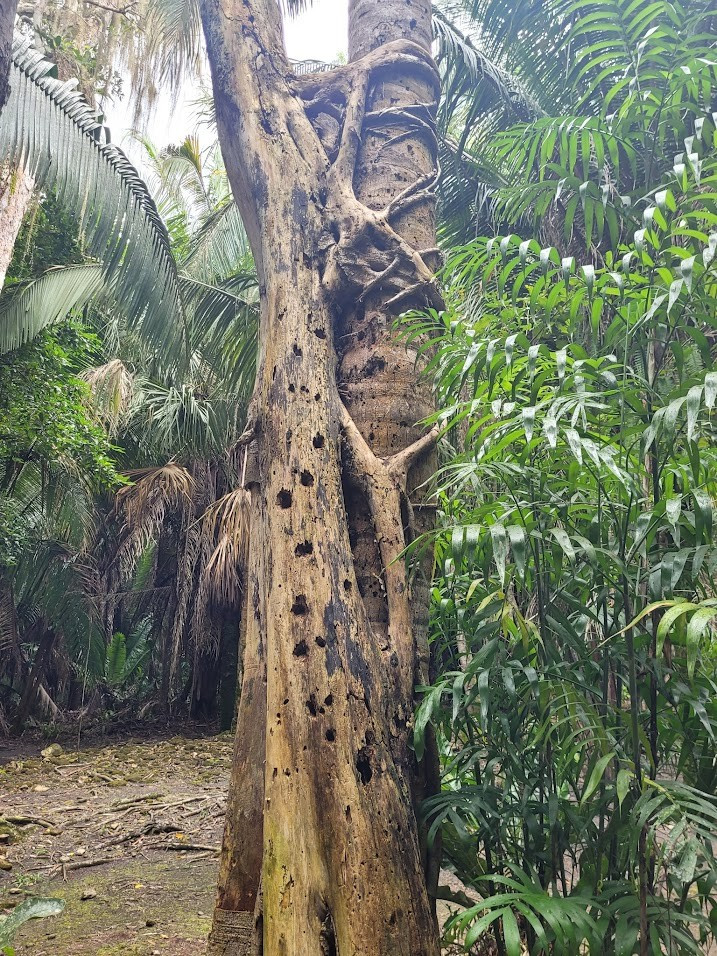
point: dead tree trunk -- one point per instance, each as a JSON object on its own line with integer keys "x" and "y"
{"x": 321, "y": 851}
{"x": 7, "y": 24}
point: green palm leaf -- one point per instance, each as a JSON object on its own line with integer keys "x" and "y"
{"x": 46, "y": 300}
{"x": 48, "y": 128}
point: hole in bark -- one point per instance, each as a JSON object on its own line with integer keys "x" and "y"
{"x": 327, "y": 938}
{"x": 374, "y": 364}
{"x": 331, "y": 735}
{"x": 412, "y": 24}
{"x": 320, "y": 641}
{"x": 329, "y": 700}
{"x": 307, "y": 479}
{"x": 317, "y": 397}
{"x": 363, "y": 765}
{"x": 283, "y": 499}
{"x": 301, "y": 649}
{"x": 320, "y": 333}
{"x": 304, "y": 548}
{"x": 300, "y": 606}
{"x": 311, "y": 706}
{"x": 297, "y": 350}
{"x": 292, "y": 389}
{"x": 347, "y": 584}
{"x": 318, "y": 441}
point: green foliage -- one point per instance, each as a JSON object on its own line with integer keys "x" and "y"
{"x": 37, "y": 908}
{"x": 614, "y": 88}
{"x": 48, "y": 235}
{"x": 127, "y": 657}
{"x": 574, "y": 603}
{"x": 47, "y": 125}
{"x": 44, "y": 414}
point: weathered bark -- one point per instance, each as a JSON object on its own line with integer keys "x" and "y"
{"x": 16, "y": 188}
{"x": 7, "y": 23}
{"x": 328, "y": 860}
{"x": 396, "y": 170}
{"x": 242, "y": 846}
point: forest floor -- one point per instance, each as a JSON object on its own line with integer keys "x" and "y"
{"x": 126, "y": 832}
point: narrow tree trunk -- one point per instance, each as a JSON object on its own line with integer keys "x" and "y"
{"x": 36, "y": 674}
{"x": 341, "y": 866}
{"x": 7, "y": 23}
{"x": 229, "y": 662}
{"x": 16, "y": 188}
{"x": 386, "y": 397}
{"x": 233, "y": 932}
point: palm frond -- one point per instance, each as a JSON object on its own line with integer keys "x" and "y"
{"x": 173, "y": 45}
{"x": 144, "y": 504}
{"x": 25, "y": 312}
{"x": 112, "y": 388}
{"x": 220, "y": 247}
{"x": 48, "y": 128}
{"x": 294, "y": 7}
{"x": 475, "y": 82}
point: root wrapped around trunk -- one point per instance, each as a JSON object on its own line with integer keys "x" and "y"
{"x": 321, "y": 811}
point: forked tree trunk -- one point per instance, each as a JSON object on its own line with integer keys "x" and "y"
{"x": 332, "y": 174}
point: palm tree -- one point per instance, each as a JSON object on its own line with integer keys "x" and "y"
{"x": 175, "y": 413}
{"x": 62, "y": 147}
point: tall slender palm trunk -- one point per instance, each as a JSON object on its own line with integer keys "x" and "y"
{"x": 333, "y": 175}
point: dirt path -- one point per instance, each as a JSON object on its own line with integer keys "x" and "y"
{"x": 126, "y": 834}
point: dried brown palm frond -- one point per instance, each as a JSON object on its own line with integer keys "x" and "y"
{"x": 225, "y": 528}
{"x": 145, "y": 503}
{"x": 222, "y": 572}
{"x": 229, "y": 516}
{"x": 112, "y": 389}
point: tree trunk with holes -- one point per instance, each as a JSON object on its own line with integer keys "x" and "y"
{"x": 333, "y": 174}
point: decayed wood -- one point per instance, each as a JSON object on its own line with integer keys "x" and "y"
{"x": 340, "y": 867}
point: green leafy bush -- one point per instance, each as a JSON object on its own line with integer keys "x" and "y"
{"x": 573, "y": 610}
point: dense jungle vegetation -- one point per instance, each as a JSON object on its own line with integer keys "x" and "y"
{"x": 573, "y": 686}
